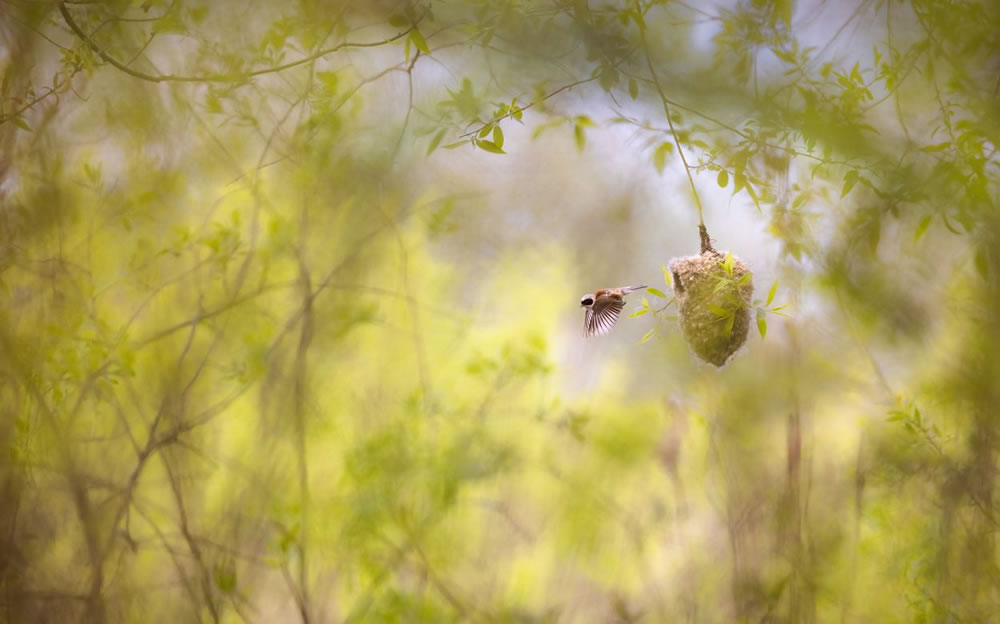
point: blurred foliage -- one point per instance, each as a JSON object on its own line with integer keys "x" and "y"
{"x": 289, "y": 328}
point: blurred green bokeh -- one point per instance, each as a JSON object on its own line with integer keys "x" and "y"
{"x": 289, "y": 325}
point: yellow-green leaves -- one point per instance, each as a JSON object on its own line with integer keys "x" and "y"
{"x": 660, "y": 155}
{"x": 922, "y": 228}
{"x": 436, "y": 140}
{"x": 937, "y": 147}
{"x": 489, "y": 136}
{"x": 608, "y": 77}
{"x": 645, "y": 309}
{"x": 723, "y": 178}
{"x": 763, "y": 310}
{"x": 850, "y": 179}
{"x": 494, "y": 146}
{"x": 580, "y": 122}
{"x": 419, "y": 42}
{"x": 761, "y": 322}
{"x": 498, "y": 136}
{"x": 490, "y": 146}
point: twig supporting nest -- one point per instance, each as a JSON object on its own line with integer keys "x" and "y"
{"x": 706, "y": 242}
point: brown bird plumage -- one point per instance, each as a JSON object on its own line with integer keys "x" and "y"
{"x": 603, "y": 307}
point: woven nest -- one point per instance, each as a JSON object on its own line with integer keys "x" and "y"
{"x": 714, "y": 302}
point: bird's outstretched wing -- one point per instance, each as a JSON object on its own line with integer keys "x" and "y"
{"x": 601, "y": 318}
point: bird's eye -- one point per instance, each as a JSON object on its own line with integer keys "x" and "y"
{"x": 587, "y": 300}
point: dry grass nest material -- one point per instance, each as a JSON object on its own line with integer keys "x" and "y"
{"x": 714, "y": 303}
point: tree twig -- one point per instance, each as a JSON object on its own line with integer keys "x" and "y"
{"x": 666, "y": 109}
{"x": 566, "y": 87}
{"x": 221, "y": 77}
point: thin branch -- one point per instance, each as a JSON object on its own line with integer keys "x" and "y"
{"x": 302, "y": 448}
{"x": 530, "y": 104}
{"x": 49, "y": 91}
{"x": 666, "y": 110}
{"x": 729, "y": 127}
{"x": 229, "y": 77}
{"x": 409, "y": 104}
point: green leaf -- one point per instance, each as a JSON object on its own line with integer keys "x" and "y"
{"x": 647, "y": 336}
{"x": 490, "y": 146}
{"x": 723, "y": 178}
{"x": 633, "y": 88}
{"x": 719, "y": 312}
{"x": 225, "y": 579}
{"x": 938, "y": 147}
{"x": 436, "y": 141}
{"x": 656, "y": 293}
{"x": 545, "y": 127}
{"x": 922, "y": 228}
{"x": 419, "y": 41}
{"x": 457, "y": 144}
{"x": 982, "y": 267}
{"x": 788, "y": 57}
{"x": 22, "y": 124}
{"x": 485, "y": 130}
{"x": 727, "y": 264}
{"x": 639, "y": 312}
{"x": 772, "y": 292}
{"x": 849, "y": 181}
{"x": 667, "y": 277}
{"x": 581, "y": 138}
{"x": 608, "y": 78}
{"x": 660, "y": 155}
{"x": 398, "y": 21}
{"x": 729, "y": 325}
{"x": 498, "y": 136}
{"x": 783, "y": 9}
{"x": 213, "y": 105}
{"x": 761, "y": 323}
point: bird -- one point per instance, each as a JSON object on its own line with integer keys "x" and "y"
{"x": 603, "y": 307}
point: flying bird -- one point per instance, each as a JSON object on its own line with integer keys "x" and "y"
{"x": 603, "y": 308}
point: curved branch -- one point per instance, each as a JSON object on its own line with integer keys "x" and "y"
{"x": 228, "y": 77}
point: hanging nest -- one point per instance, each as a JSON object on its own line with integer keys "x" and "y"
{"x": 713, "y": 292}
